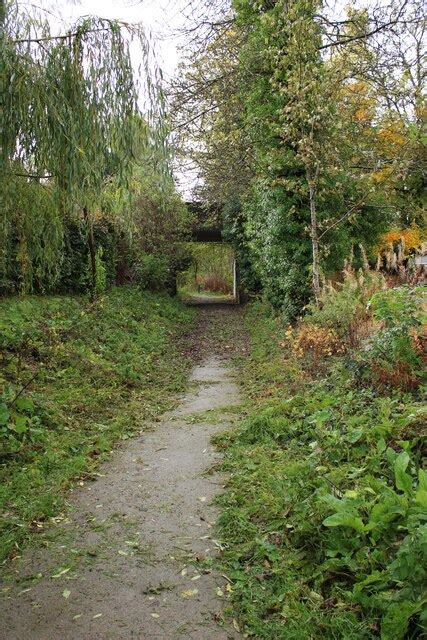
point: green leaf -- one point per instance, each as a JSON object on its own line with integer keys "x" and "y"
{"x": 421, "y": 492}
{"x": 344, "y": 519}
{"x": 403, "y": 480}
{"x": 20, "y": 424}
{"x": 354, "y": 435}
{"x": 381, "y": 445}
{"x": 24, "y": 404}
{"x": 4, "y": 414}
{"x": 422, "y": 479}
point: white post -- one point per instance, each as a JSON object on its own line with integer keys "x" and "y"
{"x": 234, "y": 279}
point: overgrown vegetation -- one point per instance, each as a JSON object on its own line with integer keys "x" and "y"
{"x": 324, "y": 519}
{"x": 210, "y": 270}
{"x": 305, "y": 122}
{"x": 86, "y": 190}
{"x": 76, "y": 378}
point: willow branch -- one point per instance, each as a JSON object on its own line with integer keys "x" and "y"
{"x": 60, "y": 37}
{"x": 34, "y": 176}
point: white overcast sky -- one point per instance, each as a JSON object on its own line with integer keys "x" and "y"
{"x": 161, "y": 18}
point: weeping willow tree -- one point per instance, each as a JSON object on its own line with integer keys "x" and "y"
{"x": 68, "y": 109}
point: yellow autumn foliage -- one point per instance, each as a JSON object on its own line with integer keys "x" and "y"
{"x": 382, "y": 175}
{"x": 412, "y": 237}
{"x": 392, "y": 136}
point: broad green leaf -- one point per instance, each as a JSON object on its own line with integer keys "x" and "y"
{"x": 421, "y": 492}
{"x": 422, "y": 479}
{"x": 344, "y": 519}
{"x": 20, "y": 424}
{"x": 381, "y": 445}
{"x": 354, "y": 435}
{"x": 402, "y": 479}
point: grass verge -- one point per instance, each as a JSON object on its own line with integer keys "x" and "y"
{"x": 324, "y": 519}
{"x": 97, "y": 373}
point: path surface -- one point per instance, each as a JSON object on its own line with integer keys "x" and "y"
{"x": 126, "y": 563}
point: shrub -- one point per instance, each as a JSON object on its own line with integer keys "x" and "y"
{"x": 394, "y": 351}
{"x": 324, "y": 518}
{"x": 216, "y": 284}
{"x": 316, "y": 343}
{"x": 152, "y": 272}
{"x": 343, "y": 306}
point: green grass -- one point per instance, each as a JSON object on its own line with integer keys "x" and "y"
{"x": 324, "y": 516}
{"x": 191, "y": 292}
{"x": 101, "y": 371}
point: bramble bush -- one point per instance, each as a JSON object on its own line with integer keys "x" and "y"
{"x": 315, "y": 343}
{"x": 380, "y": 328}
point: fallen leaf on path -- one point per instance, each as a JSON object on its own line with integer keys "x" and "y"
{"x": 66, "y": 593}
{"x": 123, "y": 553}
{"x": 97, "y": 615}
{"x": 61, "y": 572}
{"x": 219, "y": 592}
{"x": 155, "y": 615}
{"x": 235, "y": 625}
{"x": 189, "y": 593}
{"x": 202, "y": 498}
{"x": 77, "y": 616}
{"x": 184, "y": 572}
{"x": 196, "y": 577}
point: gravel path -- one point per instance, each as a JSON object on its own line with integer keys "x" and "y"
{"x": 127, "y": 562}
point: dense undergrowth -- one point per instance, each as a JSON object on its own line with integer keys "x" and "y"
{"x": 324, "y": 521}
{"x": 96, "y": 372}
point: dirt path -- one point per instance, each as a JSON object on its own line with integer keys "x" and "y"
{"x": 127, "y": 563}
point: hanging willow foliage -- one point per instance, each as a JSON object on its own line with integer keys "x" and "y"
{"x": 69, "y": 105}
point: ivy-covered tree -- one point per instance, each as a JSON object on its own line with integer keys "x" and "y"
{"x": 288, "y": 141}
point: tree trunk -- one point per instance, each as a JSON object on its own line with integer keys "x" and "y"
{"x": 92, "y": 253}
{"x": 314, "y": 241}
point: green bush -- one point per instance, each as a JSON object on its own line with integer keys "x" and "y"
{"x": 391, "y": 352}
{"x": 343, "y": 306}
{"x": 152, "y": 272}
